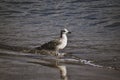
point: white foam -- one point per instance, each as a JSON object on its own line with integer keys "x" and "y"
{"x": 90, "y": 63}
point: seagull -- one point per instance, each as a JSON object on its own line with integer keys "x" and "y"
{"x": 57, "y": 44}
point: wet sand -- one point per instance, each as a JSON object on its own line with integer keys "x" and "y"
{"x": 22, "y": 66}
{"x": 21, "y": 71}
{"x": 91, "y": 73}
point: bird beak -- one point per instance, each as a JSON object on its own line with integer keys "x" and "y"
{"x": 69, "y": 32}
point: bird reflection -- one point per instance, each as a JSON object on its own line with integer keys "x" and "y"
{"x": 53, "y": 63}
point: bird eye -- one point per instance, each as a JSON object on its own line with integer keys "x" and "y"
{"x": 63, "y": 30}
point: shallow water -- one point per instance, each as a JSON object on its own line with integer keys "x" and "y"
{"x": 95, "y": 27}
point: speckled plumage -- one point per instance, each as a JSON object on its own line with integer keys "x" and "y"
{"x": 56, "y": 45}
{"x": 50, "y": 45}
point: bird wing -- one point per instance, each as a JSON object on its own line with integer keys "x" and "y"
{"x": 50, "y": 45}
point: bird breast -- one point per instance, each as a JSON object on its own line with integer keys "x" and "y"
{"x": 63, "y": 44}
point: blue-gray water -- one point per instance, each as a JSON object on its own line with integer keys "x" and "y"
{"x": 95, "y": 26}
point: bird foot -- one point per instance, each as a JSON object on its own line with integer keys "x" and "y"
{"x": 60, "y": 54}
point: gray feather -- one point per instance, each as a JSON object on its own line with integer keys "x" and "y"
{"x": 52, "y": 45}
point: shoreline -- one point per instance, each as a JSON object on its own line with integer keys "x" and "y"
{"x": 32, "y": 68}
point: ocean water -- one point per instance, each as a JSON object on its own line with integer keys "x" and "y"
{"x": 95, "y": 26}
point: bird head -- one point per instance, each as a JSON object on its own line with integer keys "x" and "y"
{"x": 65, "y": 31}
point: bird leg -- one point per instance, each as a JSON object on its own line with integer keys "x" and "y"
{"x": 57, "y": 56}
{"x": 57, "y": 53}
